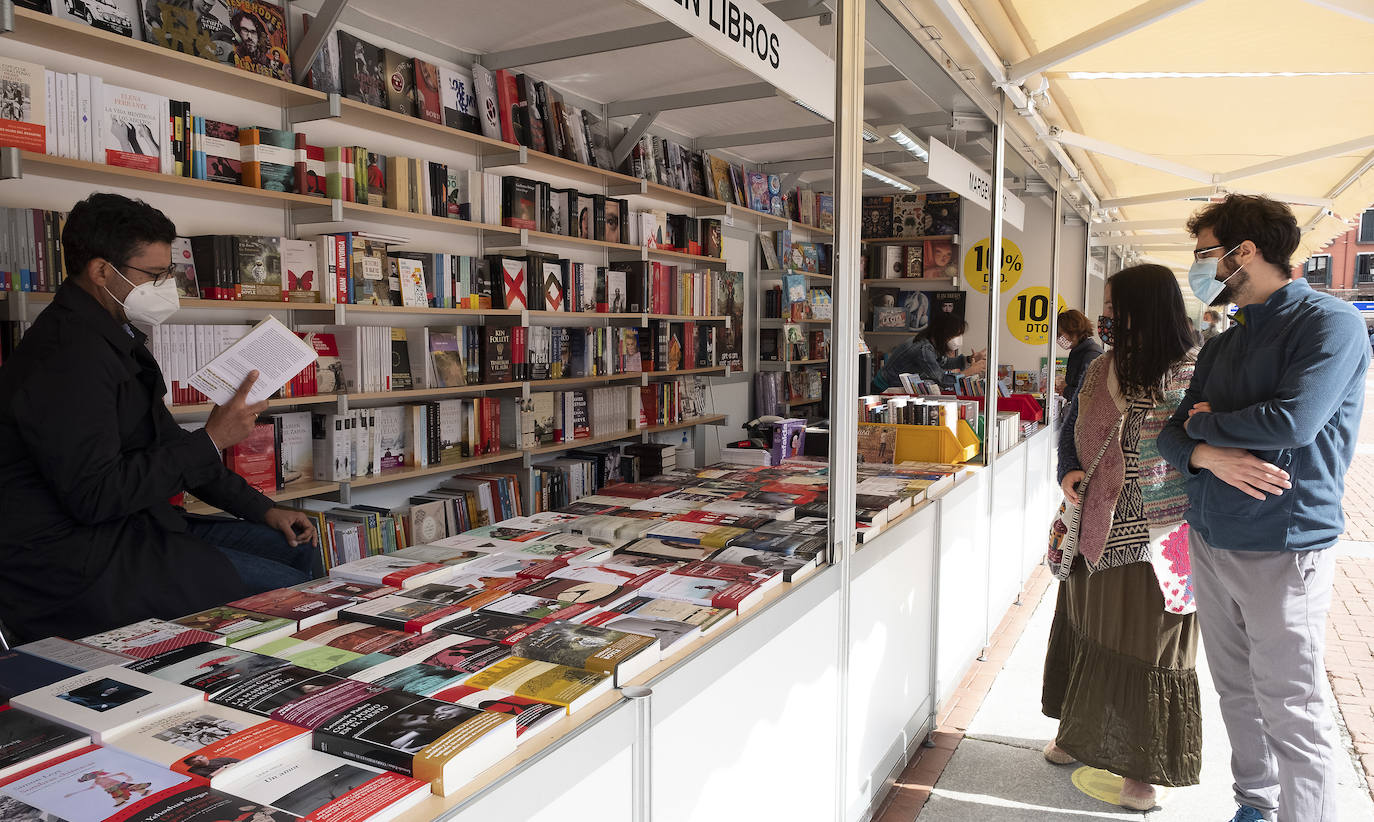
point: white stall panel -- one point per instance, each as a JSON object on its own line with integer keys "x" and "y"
{"x": 1009, "y": 534}
{"x": 963, "y": 589}
{"x": 890, "y": 655}
{"x": 747, "y": 730}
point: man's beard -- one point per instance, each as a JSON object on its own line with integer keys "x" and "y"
{"x": 1238, "y": 280}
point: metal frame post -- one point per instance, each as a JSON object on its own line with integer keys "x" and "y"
{"x": 998, "y": 187}
{"x": 844, "y": 362}
{"x": 641, "y": 753}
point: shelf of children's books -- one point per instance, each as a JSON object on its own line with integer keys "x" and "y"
{"x": 299, "y": 490}
{"x": 68, "y": 37}
{"x": 779, "y": 272}
{"x": 687, "y": 372}
{"x": 913, "y": 282}
{"x": 411, "y": 472}
{"x": 708, "y": 419}
{"x": 276, "y": 402}
{"x": 909, "y": 240}
{"x": 775, "y": 321}
{"x": 102, "y": 175}
{"x": 566, "y": 382}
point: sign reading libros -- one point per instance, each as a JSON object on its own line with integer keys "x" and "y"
{"x": 756, "y": 39}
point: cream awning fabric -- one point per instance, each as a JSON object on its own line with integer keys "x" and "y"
{"x": 1218, "y": 124}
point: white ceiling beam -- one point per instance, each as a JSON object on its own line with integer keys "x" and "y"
{"x": 1176, "y": 238}
{"x": 1349, "y": 146}
{"x": 1134, "y": 225}
{"x": 1291, "y": 199}
{"x": 756, "y": 138}
{"x": 1159, "y": 197}
{"x": 628, "y": 38}
{"x": 1099, "y": 35}
{"x": 727, "y": 94}
{"x": 1139, "y": 158}
{"x": 890, "y": 39}
{"x": 1359, "y": 9}
{"x": 969, "y": 33}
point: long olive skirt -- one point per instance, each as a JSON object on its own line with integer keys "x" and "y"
{"x": 1120, "y": 677}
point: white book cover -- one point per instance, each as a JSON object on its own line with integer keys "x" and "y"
{"x": 270, "y": 348}
{"x": 389, "y": 569}
{"x": 745, "y": 508}
{"x": 459, "y": 98}
{"x": 75, "y": 654}
{"x": 134, "y": 128}
{"x": 49, "y": 133}
{"x": 73, "y": 119}
{"x": 59, "y": 124}
{"x": 322, "y": 786}
{"x": 391, "y": 445}
{"x": 210, "y": 741}
{"x": 413, "y": 291}
{"x": 83, "y": 117}
{"x": 295, "y": 451}
{"x": 301, "y": 279}
{"x": 149, "y": 637}
{"x": 106, "y": 701}
{"x": 91, "y": 785}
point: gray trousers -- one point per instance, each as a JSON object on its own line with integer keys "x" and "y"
{"x": 1263, "y": 621}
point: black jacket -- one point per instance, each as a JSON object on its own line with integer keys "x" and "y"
{"x": 1080, "y": 357}
{"x": 89, "y": 457}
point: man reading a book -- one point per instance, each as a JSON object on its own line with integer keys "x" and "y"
{"x": 90, "y": 457}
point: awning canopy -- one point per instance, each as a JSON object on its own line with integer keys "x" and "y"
{"x": 1163, "y": 104}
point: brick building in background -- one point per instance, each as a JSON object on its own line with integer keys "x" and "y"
{"x": 1345, "y": 268}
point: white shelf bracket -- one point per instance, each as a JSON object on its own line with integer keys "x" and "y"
{"x": 332, "y": 213}
{"x": 321, "y": 28}
{"x": 328, "y": 109}
{"x": 10, "y": 166}
{"x": 627, "y": 142}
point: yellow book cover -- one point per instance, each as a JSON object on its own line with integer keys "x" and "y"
{"x": 542, "y": 681}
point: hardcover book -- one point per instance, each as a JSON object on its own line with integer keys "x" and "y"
{"x": 149, "y": 637}
{"x": 135, "y": 125}
{"x": 23, "y": 117}
{"x": 428, "y": 103}
{"x": 399, "y": 72}
{"x": 223, "y": 154}
{"x": 361, "y": 70}
{"x": 211, "y": 741}
{"x": 260, "y": 38}
{"x": 107, "y": 700}
{"x": 942, "y": 211}
{"x": 459, "y": 99}
{"x": 603, "y": 650}
{"x": 269, "y": 158}
{"x": 571, "y": 688}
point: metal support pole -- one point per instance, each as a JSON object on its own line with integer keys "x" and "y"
{"x": 990, "y": 444}
{"x": 844, "y": 359}
{"x": 641, "y": 753}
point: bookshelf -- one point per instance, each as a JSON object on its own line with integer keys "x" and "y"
{"x": 954, "y": 238}
{"x": 288, "y": 494}
{"x": 918, "y": 283}
{"x": 629, "y": 433}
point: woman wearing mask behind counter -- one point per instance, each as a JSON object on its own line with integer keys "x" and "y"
{"x": 932, "y": 354}
{"x": 1076, "y": 337}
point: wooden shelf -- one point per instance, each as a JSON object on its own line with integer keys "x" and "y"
{"x": 686, "y": 372}
{"x": 892, "y": 332}
{"x": 278, "y": 402}
{"x": 542, "y": 385}
{"x": 398, "y": 474}
{"x": 577, "y": 318}
{"x": 353, "y": 308}
{"x": 689, "y": 318}
{"x": 908, "y": 240}
{"x": 99, "y": 174}
{"x": 292, "y": 492}
{"x": 660, "y": 253}
{"x": 439, "y": 222}
{"x": 67, "y": 37}
{"x": 427, "y": 393}
{"x": 794, "y": 322}
{"x": 786, "y": 364}
{"x": 197, "y": 305}
{"x": 710, "y": 419}
{"x": 794, "y": 403}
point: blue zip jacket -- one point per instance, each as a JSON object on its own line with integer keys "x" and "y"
{"x": 1287, "y": 384}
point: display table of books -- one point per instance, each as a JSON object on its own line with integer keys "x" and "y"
{"x": 478, "y": 675}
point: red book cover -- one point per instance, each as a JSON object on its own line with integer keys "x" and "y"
{"x": 514, "y": 282}
{"x": 637, "y": 490}
{"x": 341, "y": 267}
{"x": 508, "y": 100}
{"x": 518, "y": 343}
{"x": 255, "y": 459}
{"x": 492, "y": 407}
{"x": 310, "y": 168}
{"x": 427, "y": 102}
{"x": 689, "y": 346}
{"x": 726, "y": 571}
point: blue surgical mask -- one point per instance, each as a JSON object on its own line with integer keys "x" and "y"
{"x": 1202, "y": 278}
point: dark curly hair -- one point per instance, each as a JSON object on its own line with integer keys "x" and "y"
{"x": 1267, "y": 223}
{"x": 1152, "y": 330}
{"x": 113, "y": 228}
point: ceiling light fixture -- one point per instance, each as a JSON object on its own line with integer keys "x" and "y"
{"x": 911, "y": 143}
{"x": 881, "y": 176}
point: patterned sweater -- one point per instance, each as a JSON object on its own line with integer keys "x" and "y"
{"x": 1133, "y": 489}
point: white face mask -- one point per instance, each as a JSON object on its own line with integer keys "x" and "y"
{"x": 956, "y": 343}
{"x": 1065, "y": 343}
{"x": 149, "y": 304}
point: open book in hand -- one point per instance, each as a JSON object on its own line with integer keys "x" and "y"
{"x": 271, "y": 349}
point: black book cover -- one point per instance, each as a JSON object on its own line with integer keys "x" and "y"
{"x": 399, "y": 72}
{"x": 360, "y": 71}
{"x": 598, "y": 217}
{"x": 533, "y": 115}
{"x": 389, "y": 729}
{"x": 496, "y": 354}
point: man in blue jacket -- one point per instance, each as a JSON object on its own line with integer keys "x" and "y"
{"x": 1264, "y": 436}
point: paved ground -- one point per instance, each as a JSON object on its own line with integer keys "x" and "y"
{"x": 986, "y": 764}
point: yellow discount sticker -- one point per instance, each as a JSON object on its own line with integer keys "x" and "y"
{"x": 1028, "y": 315}
{"x": 977, "y": 263}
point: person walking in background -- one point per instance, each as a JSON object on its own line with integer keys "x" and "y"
{"x": 933, "y": 355}
{"x": 1211, "y": 324}
{"x": 1120, "y": 671}
{"x": 1076, "y": 337}
{"x": 1264, "y": 435}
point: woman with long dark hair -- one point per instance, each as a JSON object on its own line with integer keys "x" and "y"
{"x": 1120, "y": 672}
{"x": 933, "y": 354}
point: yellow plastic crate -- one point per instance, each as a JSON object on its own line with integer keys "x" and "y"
{"x": 934, "y": 443}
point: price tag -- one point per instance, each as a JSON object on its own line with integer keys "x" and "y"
{"x": 976, "y": 265}
{"x": 1028, "y": 315}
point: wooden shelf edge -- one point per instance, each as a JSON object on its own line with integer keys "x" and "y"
{"x": 413, "y": 472}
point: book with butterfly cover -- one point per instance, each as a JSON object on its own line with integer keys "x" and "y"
{"x": 300, "y": 283}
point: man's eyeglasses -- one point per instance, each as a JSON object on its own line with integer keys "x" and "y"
{"x": 1200, "y": 254}
{"x": 158, "y": 276}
